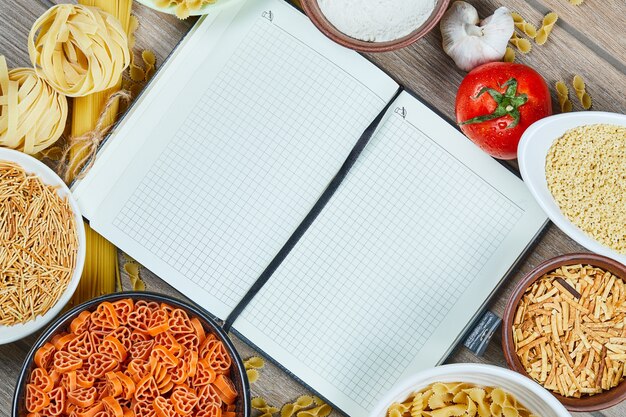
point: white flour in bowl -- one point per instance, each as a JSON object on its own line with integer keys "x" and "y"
{"x": 377, "y": 20}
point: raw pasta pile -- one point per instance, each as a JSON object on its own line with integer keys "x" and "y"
{"x": 78, "y": 49}
{"x": 39, "y": 245}
{"x": 183, "y": 7}
{"x": 128, "y": 359}
{"x": 457, "y": 399}
{"x": 32, "y": 114}
{"x": 569, "y": 330}
{"x": 585, "y": 172}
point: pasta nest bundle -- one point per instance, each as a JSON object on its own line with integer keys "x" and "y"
{"x": 32, "y": 114}
{"x": 78, "y": 49}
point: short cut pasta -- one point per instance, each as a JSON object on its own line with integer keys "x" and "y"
{"x": 132, "y": 358}
{"x": 455, "y": 399}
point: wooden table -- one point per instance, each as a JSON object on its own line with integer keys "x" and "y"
{"x": 588, "y": 40}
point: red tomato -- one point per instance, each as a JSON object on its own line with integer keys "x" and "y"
{"x": 497, "y": 102}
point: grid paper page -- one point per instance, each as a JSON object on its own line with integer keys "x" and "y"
{"x": 375, "y": 276}
{"x": 248, "y": 163}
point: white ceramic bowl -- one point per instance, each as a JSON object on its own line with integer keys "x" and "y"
{"x": 527, "y": 392}
{"x": 532, "y": 151}
{"x": 10, "y": 334}
{"x": 207, "y": 8}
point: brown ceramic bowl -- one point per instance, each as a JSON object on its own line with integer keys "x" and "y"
{"x": 312, "y": 9}
{"x": 587, "y": 403}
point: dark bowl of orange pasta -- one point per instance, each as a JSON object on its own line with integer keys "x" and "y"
{"x": 133, "y": 354}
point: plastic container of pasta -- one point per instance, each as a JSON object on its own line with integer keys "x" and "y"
{"x": 237, "y": 372}
{"x": 527, "y": 392}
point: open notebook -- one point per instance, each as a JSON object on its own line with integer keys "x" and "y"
{"x": 237, "y": 139}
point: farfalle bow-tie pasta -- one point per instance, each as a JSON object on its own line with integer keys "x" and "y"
{"x": 78, "y": 49}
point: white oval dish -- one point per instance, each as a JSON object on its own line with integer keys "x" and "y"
{"x": 532, "y": 395}
{"x": 532, "y": 151}
{"x": 207, "y": 8}
{"x": 10, "y": 334}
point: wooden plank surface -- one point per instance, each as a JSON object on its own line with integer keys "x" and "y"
{"x": 589, "y": 40}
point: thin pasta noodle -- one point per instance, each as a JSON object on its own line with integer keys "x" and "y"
{"x": 546, "y": 28}
{"x": 78, "y": 62}
{"x": 38, "y": 231}
{"x": 33, "y": 115}
{"x": 106, "y": 371}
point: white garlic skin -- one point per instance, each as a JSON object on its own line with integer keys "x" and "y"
{"x": 470, "y": 42}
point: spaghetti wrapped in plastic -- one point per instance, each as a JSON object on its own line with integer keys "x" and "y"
{"x": 33, "y": 114}
{"x": 78, "y": 49}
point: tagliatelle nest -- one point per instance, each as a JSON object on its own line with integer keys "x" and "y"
{"x": 78, "y": 49}
{"x": 32, "y": 114}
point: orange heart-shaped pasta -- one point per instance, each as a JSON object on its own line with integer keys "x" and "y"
{"x": 83, "y": 397}
{"x": 164, "y": 407}
{"x": 112, "y": 407}
{"x": 143, "y": 409}
{"x": 207, "y": 395}
{"x": 132, "y": 359}
{"x": 43, "y": 356}
{"x": 58, "y": 400}
{"x": 168, "y": 340}
{"x": 158, "y": 322}
{"x": 36, "y": 400}
{"x": 40, "y": 378}
{"x": 81, "y": 323}
{"x": 113, "y": 348}
{"x": 141, "y": 349}
{"x": 123, "y": 334}
{"x": 211, "y": 410}
{"x": 82, "y": 345}
{"x": 105, "y": 316}
{"x": 184, "y": 400}
{"x": 226, "y": 389}
{"x": 100, "y": 364}
{"x": 65, "y": 362}
{"x": 147, "y": 389}
{"x": 123, "y": 308}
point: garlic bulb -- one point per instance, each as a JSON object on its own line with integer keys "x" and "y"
{"x": 470, "y": 42}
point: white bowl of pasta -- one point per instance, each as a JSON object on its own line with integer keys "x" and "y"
{"x": 457, "y": 389}
{"x": 44, "y": 245}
